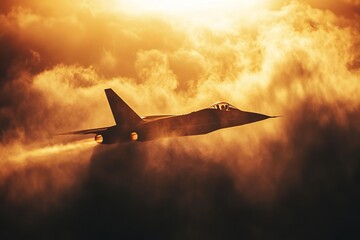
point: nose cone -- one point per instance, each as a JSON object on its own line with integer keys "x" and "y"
{"x": 248, "y": 117}
{"x": 255, "y": 117}
{"x": 237, "y": 117}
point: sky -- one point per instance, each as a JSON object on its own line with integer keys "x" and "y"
{"x": 293, "y": 177}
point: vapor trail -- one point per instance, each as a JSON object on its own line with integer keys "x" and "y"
{"x": 47, "y": 151}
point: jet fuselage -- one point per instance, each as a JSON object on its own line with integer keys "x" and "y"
{"x": 131, "y": 127}
{"x": 195, "y": 123}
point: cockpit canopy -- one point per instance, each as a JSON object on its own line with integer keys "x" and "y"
{"x": 223, "y": 106}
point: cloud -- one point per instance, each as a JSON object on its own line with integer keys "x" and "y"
{"x": 298, "y": 60}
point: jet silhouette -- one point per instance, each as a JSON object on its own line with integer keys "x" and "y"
{"x": 131, "y": 127}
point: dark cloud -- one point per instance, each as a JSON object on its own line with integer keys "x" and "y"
{"x": 191, "y": 197}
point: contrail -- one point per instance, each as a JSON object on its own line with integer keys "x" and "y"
{"x": 55, "y": 149}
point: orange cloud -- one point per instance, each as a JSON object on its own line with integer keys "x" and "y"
{"x": 296, "y": 60}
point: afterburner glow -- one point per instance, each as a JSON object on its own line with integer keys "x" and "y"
{"x": 99, "y": 138}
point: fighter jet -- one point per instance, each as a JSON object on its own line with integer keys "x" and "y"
{"x": 131, "y": 127}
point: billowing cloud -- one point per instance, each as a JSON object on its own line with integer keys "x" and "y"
{"x": 295, "y": 59}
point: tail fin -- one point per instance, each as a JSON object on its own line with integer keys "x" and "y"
{"x": 123, "y": 114}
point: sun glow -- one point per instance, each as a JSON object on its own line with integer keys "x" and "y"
{"x": 189, "y": 7}
{"x": 217, "y": 14}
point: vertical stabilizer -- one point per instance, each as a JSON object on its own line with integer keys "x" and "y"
{"x": 123, "y": 114}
